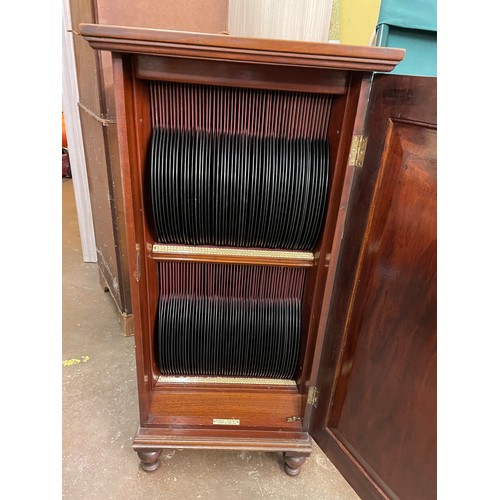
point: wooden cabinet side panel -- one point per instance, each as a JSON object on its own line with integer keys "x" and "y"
{"x": 131, "y": 187}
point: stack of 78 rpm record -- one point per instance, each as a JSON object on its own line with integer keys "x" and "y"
{"x": 239, "y": 168}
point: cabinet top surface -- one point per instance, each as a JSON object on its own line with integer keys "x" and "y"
{"x": 123, "y": 39}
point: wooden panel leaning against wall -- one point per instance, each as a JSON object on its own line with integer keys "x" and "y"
{"x": 98, "y": 121}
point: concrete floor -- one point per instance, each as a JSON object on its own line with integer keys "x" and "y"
{"x": 100, "y": 413}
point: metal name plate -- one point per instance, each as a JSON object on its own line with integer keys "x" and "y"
{"x": 225, "y": 421}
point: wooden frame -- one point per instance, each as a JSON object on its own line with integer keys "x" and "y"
{"x": 201, "y": 415}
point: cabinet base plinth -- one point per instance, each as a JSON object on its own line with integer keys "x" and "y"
{"x": 149, "y": 443}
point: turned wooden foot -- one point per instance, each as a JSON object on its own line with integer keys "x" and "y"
{"x": 150, "y": 459}
{"x": 293, "y": 463}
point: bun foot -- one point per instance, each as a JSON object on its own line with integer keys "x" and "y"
{"x": 294, "y": 463}
{"x": 150, "y": 459}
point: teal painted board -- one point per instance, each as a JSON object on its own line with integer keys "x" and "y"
{"x": 411, "y": 25}
{"x": 421, "y": 50}
{"x": 413, "y": 14}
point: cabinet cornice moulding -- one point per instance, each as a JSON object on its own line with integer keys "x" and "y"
{"x": 250, "y": 50}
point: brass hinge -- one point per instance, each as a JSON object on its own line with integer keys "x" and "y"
{"x": 312, "y": 396}
{"x": 137, "y": 262}
{"x": 293, "y": 419}
{"x": 357, "y": 152}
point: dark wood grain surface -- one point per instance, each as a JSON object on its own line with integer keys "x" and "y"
{"x": 240, "y": 74}
{"x": 377, "y": 415}
{"x": 259, "y": 409}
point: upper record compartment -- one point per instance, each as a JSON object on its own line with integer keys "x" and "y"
{"x": 238, "y": 167}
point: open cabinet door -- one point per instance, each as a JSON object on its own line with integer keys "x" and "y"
{"x": 376, "y": 409}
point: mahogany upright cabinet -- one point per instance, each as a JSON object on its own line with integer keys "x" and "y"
{"x": 280, "y": 202}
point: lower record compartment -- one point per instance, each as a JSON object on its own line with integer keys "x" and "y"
{"x": 226, "y": 408}
{"x": 228, "y": 320}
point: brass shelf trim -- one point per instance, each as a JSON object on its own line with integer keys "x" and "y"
{"x": 170, "y": 379}
{"x": 159, "y": 249}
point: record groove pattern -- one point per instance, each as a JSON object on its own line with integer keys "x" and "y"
{"x": 228, "y": 320}
{"x": 238, "y": 167}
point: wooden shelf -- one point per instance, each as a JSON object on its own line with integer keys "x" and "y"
{"x": 181, "y": 380}
{"x": 230, "y": 255}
